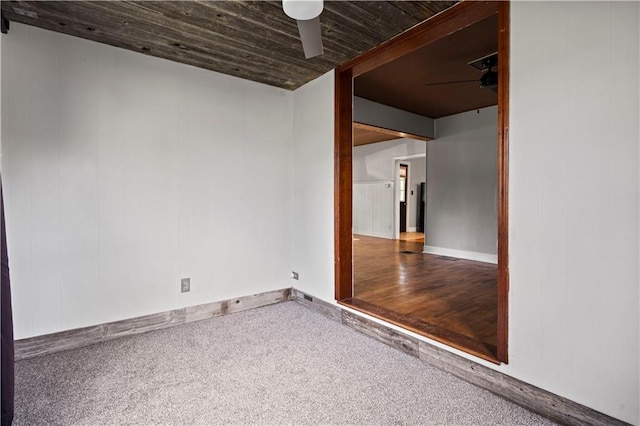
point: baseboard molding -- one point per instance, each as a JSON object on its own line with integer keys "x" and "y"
{"x": 528, "y": 396}
{"x": 387, "y": 235}
{"x": 533, "y": 398}
{"x": 462, "y": 254}
{"x": 79, "y": 337}
{"x": 327, "y": 309}
{"x": 547, "y": 404}
{"x": 412, "y": 229}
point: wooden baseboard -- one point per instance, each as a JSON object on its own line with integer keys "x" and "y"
{"x": 540, "y": 401}
{"x": 79, "y": 337}
{"x": 547, "y": 404}
{"x": 327, "y": 309}
{"x": 472, "y": 346}
{"x": 528, "y": 396}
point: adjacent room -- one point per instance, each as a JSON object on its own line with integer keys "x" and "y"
{"x": 440, "y": 180}
{"x": 183, "y": 236}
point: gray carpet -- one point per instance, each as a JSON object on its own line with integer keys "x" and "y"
{"x": 281, "y": 364}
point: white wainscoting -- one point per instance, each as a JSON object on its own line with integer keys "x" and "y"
{"x": 373, "y": 208}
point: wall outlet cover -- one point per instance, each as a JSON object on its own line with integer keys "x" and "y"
{"x": 185, "y": 285}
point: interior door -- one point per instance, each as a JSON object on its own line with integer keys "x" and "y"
{"x": 404, "y": 175}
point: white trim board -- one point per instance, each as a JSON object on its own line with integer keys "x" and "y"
{"x": 385, "y": 235}
{"x": 461, "y": 254}
{"x": 410, "y": 157}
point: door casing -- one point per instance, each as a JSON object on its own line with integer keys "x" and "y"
{"x": 457, "y": 17}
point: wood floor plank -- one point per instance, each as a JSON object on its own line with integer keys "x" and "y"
{"x": 456, "y": 295}
{"x": 473, "y": 346}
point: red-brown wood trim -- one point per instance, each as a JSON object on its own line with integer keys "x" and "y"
{"x": 503, "y": 181}
{"x": 441, "y": 25}
{"x": 451, "y": 20}
{"x": 343, "y": 186}
{"x": 389, "y": 132}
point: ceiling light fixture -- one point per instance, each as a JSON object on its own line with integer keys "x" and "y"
{"x": 302, "y": 10}
{"x": 307, "y": 15}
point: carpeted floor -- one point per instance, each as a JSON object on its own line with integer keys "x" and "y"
{"x": 281, "y": 364}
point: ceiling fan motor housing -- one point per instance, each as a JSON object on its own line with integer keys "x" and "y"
{"x": 489, "y": 79}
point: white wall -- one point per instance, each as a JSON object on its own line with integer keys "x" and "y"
{"x": 94, "y": 177}
{"x": 462, "y": 182}
{"x": 124, "y": 173}
{"x": 373, "y": 209}
{"x": 574, "y": 207}
{"x": 313, "y": 187}
{"x": 375, "y": 163}
{"x": 376, "y": 114}
{"x": 574, "y": 201}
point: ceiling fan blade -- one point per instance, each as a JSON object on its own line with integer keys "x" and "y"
{"x": 452, "y": 82}
{"x": 311, "y": 37}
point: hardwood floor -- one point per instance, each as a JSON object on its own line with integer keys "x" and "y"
{"x": 449, "y": 298}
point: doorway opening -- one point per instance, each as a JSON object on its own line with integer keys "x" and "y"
{"x": 408, "y": 214}
{"x": 349, "y": 259}
{"x": 403, "y": 178}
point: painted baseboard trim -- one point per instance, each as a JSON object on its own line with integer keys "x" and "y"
{"x": 533, "y": 398}
{"x": 461, "y": 254}
{"x": 387, "y": 235}
{"x": 79, "y": 337}
{"x": 413, "y": 229}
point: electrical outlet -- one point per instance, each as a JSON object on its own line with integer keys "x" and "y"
{"x": 294, "y": 275}
{"x": 185, "y": 285}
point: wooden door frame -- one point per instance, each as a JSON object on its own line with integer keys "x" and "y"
{"x": 454, "y": 19}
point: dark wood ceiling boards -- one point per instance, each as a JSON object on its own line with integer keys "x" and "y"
{"x": 253, "y": 40}
{"x": 402, "y": 83}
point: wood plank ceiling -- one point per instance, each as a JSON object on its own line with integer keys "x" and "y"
{"x": 404, "y": 82}
{"x": 252, "y": 40}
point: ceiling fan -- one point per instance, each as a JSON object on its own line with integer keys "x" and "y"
{"x": 489, "y": 78}
{"x": 307, "y": 14}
